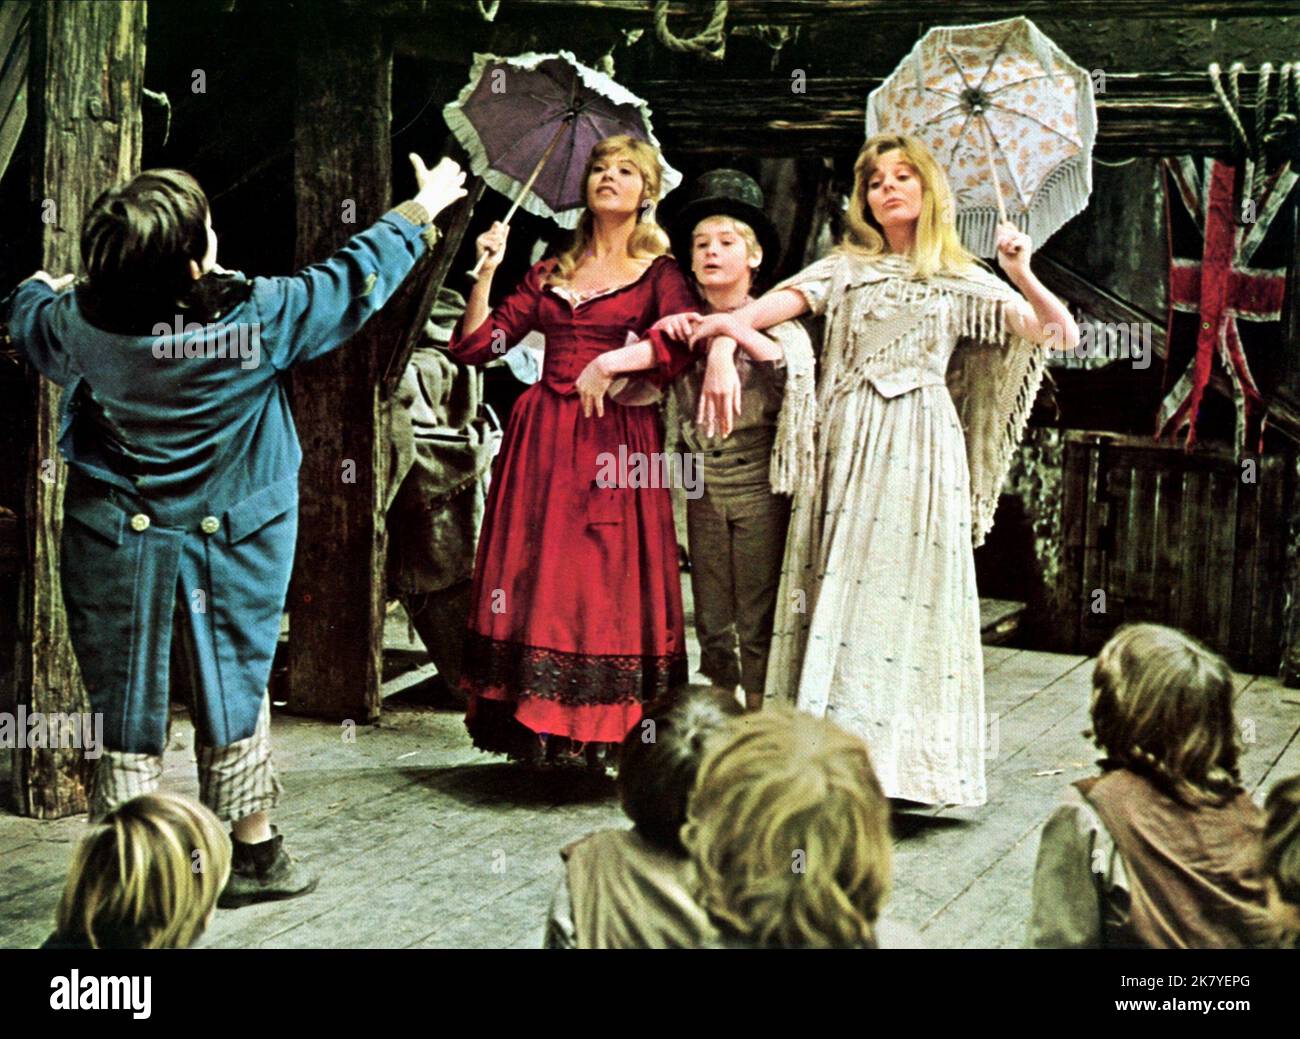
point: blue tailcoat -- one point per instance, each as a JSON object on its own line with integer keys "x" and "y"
{"x": 207, "y": 509}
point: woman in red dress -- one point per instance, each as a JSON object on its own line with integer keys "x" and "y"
{"x": 576, "y": 614}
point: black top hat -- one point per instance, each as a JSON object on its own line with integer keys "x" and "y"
{"x": 724, "y": 193}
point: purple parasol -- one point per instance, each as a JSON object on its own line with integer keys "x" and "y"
{"x": 529, "y": 123}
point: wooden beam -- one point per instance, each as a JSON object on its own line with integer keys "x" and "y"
{"x": 717, "y": 109}
{"x": 1139, "y": 113}
{"x": 87, "y": 67}
{"x": 342, "y": 155}
{"x": 1098, "y": 302}
{"x": 1291, "y": 313}
{"x": 15, "y": 23}
{"x": 1290, "y": 666}
{"x": 693, "y": 13}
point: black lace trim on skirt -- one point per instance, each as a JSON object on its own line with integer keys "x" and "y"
{"x": 573, "y": 679}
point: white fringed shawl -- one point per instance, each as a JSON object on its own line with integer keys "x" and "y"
{"x": 993, "y": 376}
{"x": 794, "y": 452}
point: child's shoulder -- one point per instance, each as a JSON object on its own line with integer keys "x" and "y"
{"x": 598, "y": 842}
{"x": 1075, "y": 809}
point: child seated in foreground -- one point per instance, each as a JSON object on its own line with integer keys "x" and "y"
{"x": 148, "y": 877}
{"x": 634, "y": 888}
{"x": 1162, "y": 849}
{"x": 788, "y": 829}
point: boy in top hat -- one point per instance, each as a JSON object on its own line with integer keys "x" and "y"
{"x": 749, "y": 455}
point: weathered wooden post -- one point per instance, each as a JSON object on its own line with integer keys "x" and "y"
{"x": 342, "y": 174}
{"x": 87, "y": 68}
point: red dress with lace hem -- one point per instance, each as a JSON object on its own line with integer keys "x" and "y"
{"x": 576, "y": 610}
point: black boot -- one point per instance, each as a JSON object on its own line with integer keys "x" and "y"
{"x": 264, "y": 873}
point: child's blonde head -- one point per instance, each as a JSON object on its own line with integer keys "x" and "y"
{"x": 789, "y": 830}
{"x": 723, "y": 223}
{"x": 1162, "y": 705}
{"x": 738, "y": 227}
{"x": 147, "y": 877}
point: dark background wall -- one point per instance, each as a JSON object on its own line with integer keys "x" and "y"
{"x": 236, "y": 136}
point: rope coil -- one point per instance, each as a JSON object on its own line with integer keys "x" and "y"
{"x": 1266, "y": 128}
{"x": 710, "y": 43}
{"x": 1230, "y": 108}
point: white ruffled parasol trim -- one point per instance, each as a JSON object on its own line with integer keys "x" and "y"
{"x": 464, "y": 131}
{"x": 1064, "y": 194}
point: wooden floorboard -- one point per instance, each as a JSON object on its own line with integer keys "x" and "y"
{"x": 423, "y": 842}
{"x": 996, "y": 656}
{"x": 1269, "y": 716}
{"x": 1040, "y": 750}
{"x": 31, "y": 880}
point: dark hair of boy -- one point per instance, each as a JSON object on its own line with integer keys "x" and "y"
{"x": 1282, "y": 839}
{"x": 658, "y": 762}
{"x": 137, "y": 242}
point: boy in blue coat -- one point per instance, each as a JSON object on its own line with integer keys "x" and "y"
{"x": 181, "y": 507}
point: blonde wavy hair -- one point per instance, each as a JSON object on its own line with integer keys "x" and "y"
{"x": 147, "y": 877}
{"x": 1162, "y": 706}
{"x": 789, "y": 832}
{"x": 937, "y": 246}
{"x": 648, "y": 239}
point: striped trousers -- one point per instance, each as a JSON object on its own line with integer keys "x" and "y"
{"x": 234, "y": 781}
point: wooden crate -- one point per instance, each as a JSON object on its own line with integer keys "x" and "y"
{"x": 1181, "y": 538}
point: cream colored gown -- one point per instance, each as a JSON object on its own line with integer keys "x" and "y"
{"x": 877, "y": 624}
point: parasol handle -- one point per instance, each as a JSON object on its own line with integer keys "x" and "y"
{"x": 993, "y": 170}
{"x": 528, "y": 186}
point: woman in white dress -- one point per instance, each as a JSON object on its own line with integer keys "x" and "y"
{"x": 928, "y": 371}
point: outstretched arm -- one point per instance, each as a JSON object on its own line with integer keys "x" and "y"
{"x": 310, "y": 313}
{"x": 30, "y": 309}
{"x": 758, "y": 346}
{"x": 720, "y": 395}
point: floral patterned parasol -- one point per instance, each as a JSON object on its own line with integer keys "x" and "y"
{"x": 1009, "y": 117}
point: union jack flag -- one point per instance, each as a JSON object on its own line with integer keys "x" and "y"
{"x": 1225, "y": 269}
